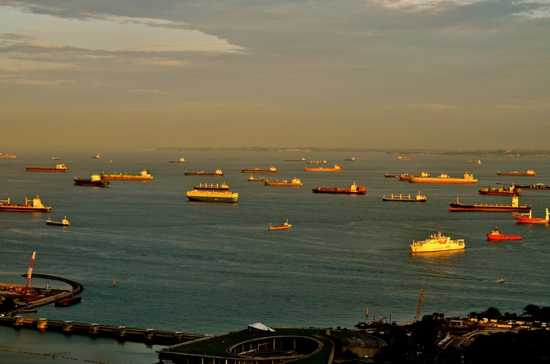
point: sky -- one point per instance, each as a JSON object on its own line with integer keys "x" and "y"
{"x": 422, "y": 74}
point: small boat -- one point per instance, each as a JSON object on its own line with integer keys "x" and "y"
{"x": 323, "y": 169}
{"x": 257, "y": 179}
{"x": 437, "y": 243}
{"x": 475, "y": 162}
{"x": 496, "y": 235}
{"x": 94, "y": 181}
{"x": 212, "y": 196}
{"x": 212, "y": 186}
{"x": 68, "y": 301}
{"x": 324, "y": 161}
{"x": 352, "y": 190}
{"x": 404, "y": 158}
{"x": 111, "y": 161}
{"x": 405, "y": 198}
{"x": 142, "y": 176}
{"x": 259, "y": 170}
{"x": 55, "y": 158}
{"x": 352, "y": 159}
{"x": 96, "y": 156}
{"x": 63, "y": 222}
{"x": 284, "y": 226}
{"x": 57, "y": 168}
{"x": 36, "y": 206}
{"x": 295, "y": 160}
{"x": 514, "y": 207}
{"x": 181, "y": 160}
{"x": 218, "y": 173}
{"x": 444, "y": 179}
{"x": 294, "y": 183}
{"x": 528, "y": 219}
{"x": 512, "y": 190}
{"x": 530, "y": 173}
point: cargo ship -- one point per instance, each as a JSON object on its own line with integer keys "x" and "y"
{"x": 443, "y": 179}
{"x": 57, "y": 168}
{"x": 284, "y": 226}
{"x": 404, "y": 158}
{"x": 259, "y": 170}
{"x": 94, "y": 181}
{"x": 257, "y": 179}
{"x": 96, "y": 156}
{"x": 212, "y": 196}
{"x": 142, "y": 176}
{"x": 475, "y": 162}
{"x": 324, "y": 161}
{"x": 390, "y": 175}
{"x": 496, "y": 235}
{"x": 405, "y": 198}
{"x": 437, "y": 243}
{"x": 11, "y": 156}
{"x": 203, "y": 173}
{"x": 36, "y": 206}
{"x": 528, "y": 219}
{"x": 181, "y": 160}
{"x": 352, "y": 190}
{"x": 294, "y": 183}
{"x": 63, "y": 222}
{"x": 212, "y": 186}
{"x": 514, "y": 207}
{"x": 512, "y": 190}
{"x": 352, "y": 159}
{"x": 530, "y": 173}
{"x": 295, "y": 160}
{"x": 538, "y": 186}
{"x": 336, "y": 168}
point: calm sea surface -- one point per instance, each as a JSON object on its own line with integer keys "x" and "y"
{"x": 211, "y": 268}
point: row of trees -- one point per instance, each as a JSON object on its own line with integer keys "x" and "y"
{"x": 532, "y": 312}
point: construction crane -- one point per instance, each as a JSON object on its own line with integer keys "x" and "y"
{"x": 419, "y": 308}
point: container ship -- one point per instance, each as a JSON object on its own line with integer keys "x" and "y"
{"x": 352, "y": 190}
{"x": 36, "y": 206}
{"x": 336, "y": 168}
{"x": 213, "y": 196}
{"x": 514, "y": 207}
{"x": 142, "y": 176}
{"x": 203, "y": 173}
{"x": 444, "y": 179}
{"x": 57, "y": 168}
{"x": 259, "y": 170}
{"x": 437, "y": 243}
{"x": 212, "y": 186}
{"x": 294, "y": 183}
{"x": 94, "y": 181}
{"x": 530, "y": 173}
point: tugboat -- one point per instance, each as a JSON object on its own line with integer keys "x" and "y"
{"x": 437, "y": 243}
{"x": 294, "y": 183}
{"x": 405, "y": 198}
{"x": 352, "y": 190}
{"x": 63, "y": 222}
{"x": 514, "y": 207}
{"x": 94, "y": 181}
{"x": 528, "y": 219}
{"x": 36, "y": 206}
{"x": 57, "y": 168}
{"x": 495, "y": 235}
{"x": 283, "y": 226}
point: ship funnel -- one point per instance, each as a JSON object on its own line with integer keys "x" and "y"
{"x": 515, "y": 201}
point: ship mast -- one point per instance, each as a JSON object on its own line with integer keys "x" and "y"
{"x": 29, "y": 275}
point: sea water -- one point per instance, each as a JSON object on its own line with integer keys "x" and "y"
{"x": 148, "y": 258}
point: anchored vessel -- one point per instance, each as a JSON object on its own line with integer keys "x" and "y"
{"x": 57, "y": 168}
{"x": 2, "y": 155}
{"x": 257, "y": 179}
{"x": 404, "y": 158}
{"x": 294, "y": 183}
{"x": 212, "y": 186}
{"x": 259, "y": 170}
{"x": 94, "y": 181}
{"x": 324, "y": 161}
{"x": 538, "y": 186}
{"x": 295, "y": 160}
{"x": 203, "y": 173}
{"x": 392, "y": 175}
{"x": 496, "y": 235}
{"x": 284, "y": 226}
{"x": 67, "y": 301}
{"x": 212, "y": 196}
{"x": 336, "y": 168}
{"x": 181, "y": 160}
{"x": 142, "y": 176}
{"x": 443, "y": 178}
{"x": 36, "y": 206}
{"x": 514, "y": 207}
{"x": 405, "y": 198}
{"x": 475, "y": 162}
{"x": 436, "y": 243}
{"x": 63, "y": 222}
{"x": 512, "y": 190}
{"x": 352, "y": 190}
{"x": 96, "y": 156}
{"x": 516, "y": 173}
{"x": 528, "y": 219}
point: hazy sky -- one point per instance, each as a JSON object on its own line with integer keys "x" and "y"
{"x": 362, "y": 73}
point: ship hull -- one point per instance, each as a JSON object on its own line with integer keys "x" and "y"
{"x": 488, "y": 208}
{"x": 57, "y": 223}
{"x": 257, "y": 171}
{"x": 125, "y": 177}
{"x": 402, "y": 199}
{"x": 336, "y": 190}
{"x": 435, "y": 180}
{"x": 322, "y": 169}
{"x": 282, "y": 184}
{"x": 90, "y": 183}
{"x": 533, "y": 187}
{"x": 23, "y": 208}
{"x": 516, "y": 174}
{"x": 531, "y": 220}
{"x": 500, "y": 192}
{"x": 46, "y": 169}
{"x": 501, "y": 237}
{"x": 281, "y": 227}
{"x": 203, "y": 174}
{"x": 206, "y": 196}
